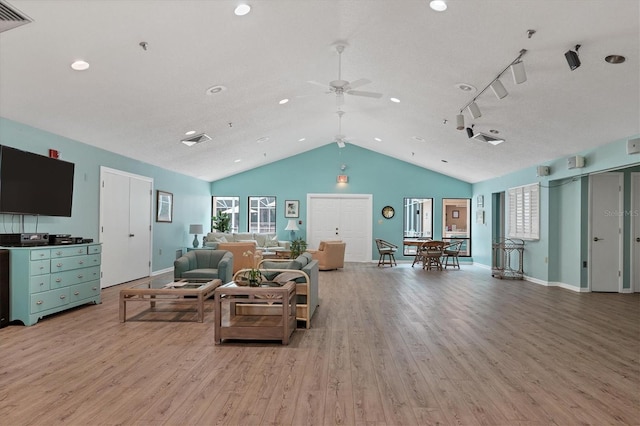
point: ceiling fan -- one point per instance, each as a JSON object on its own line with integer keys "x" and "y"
{"x": 340, "y": 139}
{"x": 340, "y": 86}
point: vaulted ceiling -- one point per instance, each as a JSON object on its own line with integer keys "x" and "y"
{"x": 139, "y": 100}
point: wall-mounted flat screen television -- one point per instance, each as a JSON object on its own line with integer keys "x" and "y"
{"x": 34, "y": 184}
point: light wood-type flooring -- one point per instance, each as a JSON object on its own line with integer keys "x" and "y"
{"x": 399, "y": 346}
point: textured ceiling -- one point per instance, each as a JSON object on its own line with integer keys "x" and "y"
{"x": 139, "y": 103}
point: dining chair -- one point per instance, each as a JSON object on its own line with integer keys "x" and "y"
{"x": 386, "y": 250}
{"x": 451, "y": 252}
{"x": 431, "y": 252}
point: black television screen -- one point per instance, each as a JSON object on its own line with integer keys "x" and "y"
{"x": 34, "y": 184}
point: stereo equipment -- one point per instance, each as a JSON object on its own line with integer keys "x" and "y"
{"x": 24, "y": 239}
{"x": 575, "y": 162}
{"x": 58, "y": 239}
{"x": 633, "y": 146}
{"x": 543, "y": 171}
{"x": 86, "y": 240}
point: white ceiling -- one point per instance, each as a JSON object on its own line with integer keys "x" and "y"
{"x": 140, "y": 103}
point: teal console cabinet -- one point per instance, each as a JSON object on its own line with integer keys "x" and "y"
{"x": 49, "y": 279}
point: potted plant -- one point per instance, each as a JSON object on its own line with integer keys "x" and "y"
{"x": 221, "y": 222}
{"x": 298, "y": 246}
{"x": 253, "y": 274}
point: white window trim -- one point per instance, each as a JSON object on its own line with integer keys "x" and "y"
{"x": 524, "y": 212}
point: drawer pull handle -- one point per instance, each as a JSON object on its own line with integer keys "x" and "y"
{"x": 76, "y": 293}
{"x": 58, "y": 253}
{"x": 39, "y": 302}
{"x": 94, "y": 288}
{"x": 80, "y": 276}
{"x": 59, "y": 265}
{"x": 81, "y": 262}
{"x": 80, "y": 251}
{"x": 41, "y": 284}
{"x": 62, "y": 296}
{"x": 58, "y": 280}
{"x": 42, "y": 267}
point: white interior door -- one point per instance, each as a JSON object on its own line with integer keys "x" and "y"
{"x": 341, "y": 217}
{"x": 635, "y": 232}
{"x": 606, "y": 213}
{"x": 125, "y": 226}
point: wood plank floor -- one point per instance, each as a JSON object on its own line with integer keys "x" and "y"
{"x": 392, "y": 346}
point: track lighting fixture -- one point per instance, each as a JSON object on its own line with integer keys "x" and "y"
{"x": 470, "y": 131}
{"x": 474, "y": 110}
{"x": 572, "y": 58}
{"x": 519, "y": 76}
{"x": 498, "y": 89}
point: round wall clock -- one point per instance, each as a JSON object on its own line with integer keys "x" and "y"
{"x": 388, "y": 212}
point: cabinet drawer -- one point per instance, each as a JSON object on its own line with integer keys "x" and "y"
{"x": 74, "y": 262}
{"x": 39, "y": 283}
{"x": 74, "y": 276}
{"x": 49, "y": 299}
{"x": 84, "y": 290}
{"x": 39, "y": 267}
{"x": 94, "y": 260}
{"x": 68, "y": 251}
{"x": 95, "y": 249}
{"x": 40, "y": 254}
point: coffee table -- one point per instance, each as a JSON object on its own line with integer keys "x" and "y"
{"x": 271, "y": 314}
{"x": 191, "y": 291}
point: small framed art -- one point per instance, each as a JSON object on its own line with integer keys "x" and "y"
{"x": 291, "y": 208}
{"x": 164, "y": 206}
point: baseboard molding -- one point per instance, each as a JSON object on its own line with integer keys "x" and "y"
{"x": 162, "y": 271}
{"x": 556, "y": 284}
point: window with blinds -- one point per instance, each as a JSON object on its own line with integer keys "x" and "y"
{"x": 524, "y": 212}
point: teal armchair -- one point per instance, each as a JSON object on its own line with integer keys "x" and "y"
{"x": 204, "y": 264}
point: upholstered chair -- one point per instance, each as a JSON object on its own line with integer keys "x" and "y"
{"x": 330, "y": 255}
{"x": 204, "y": 264}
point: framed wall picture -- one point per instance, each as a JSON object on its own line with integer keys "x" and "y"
{"x": 480, "y": 200}
{"x": 480, "y": 217}
{"x": 164, "y": 206}
{"x": 455, "y": 214}
{"x": 291, "y": 208}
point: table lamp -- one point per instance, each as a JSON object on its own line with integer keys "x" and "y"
{"x": 195, "y": 229}
{"x": 293, "y": 227}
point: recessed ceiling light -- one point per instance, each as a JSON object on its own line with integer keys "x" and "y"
{"x": 80, "y": 65}
{"x": 465, "y": 87}
{"x": 190, "y": 132}
{"x": 438, "y": 5}
{"x": 615, "y": 59}
{"x": 396, "y": 100}
{"x": 302, "y": 139}
{"x": 283, "y": 101}
{"x": 377, "y": 139}
{"x": 263, "y": 139}
{"x": 237, "y": 160}
{"x": 242, "y": 9}
{"x": 215, "y": 89}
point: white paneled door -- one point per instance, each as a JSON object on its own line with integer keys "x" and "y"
{"x": 635, "y": 231}
{"x": 345, "y": 217}
{"x": 125, "y": 226}
{"x": 607, "y": 214}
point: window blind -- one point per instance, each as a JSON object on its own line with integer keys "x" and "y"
{"x": 524, "y": 212}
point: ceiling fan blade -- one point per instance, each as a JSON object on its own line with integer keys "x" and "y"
{"x": 318, "y": 84}
{"x": 367, "y": 94}
{"x": 358, "y": 83}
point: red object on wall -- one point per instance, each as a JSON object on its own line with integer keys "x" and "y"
{"x": 53, "y": 153}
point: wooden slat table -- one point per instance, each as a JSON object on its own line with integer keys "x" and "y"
{"x": 273, "y": 316}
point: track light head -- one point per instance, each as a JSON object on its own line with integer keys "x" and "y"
{"x": 572, "y": 58}
{"x": 498, "y": 89}
{"x": 460, "y": 122}
{"x": 470, "y": 132}
{"x": 474, "y": 110}
{"x": 518, "y": 72}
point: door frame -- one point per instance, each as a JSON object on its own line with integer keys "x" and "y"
{"x": 620, "y": 214}
{"x": 368, "y": 214}
{"x": 104, "y": 169}
{"x": 634, "y": 286}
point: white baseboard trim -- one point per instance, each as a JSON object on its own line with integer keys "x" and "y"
{"x": 480, "y": 265}
{"x": 162, "y": 271}
{"x": 556, "y": 284}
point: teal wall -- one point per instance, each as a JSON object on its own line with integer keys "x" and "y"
{"x": 192, "y": 202}
{"x": 315, "y": 171}
{"x": 557, "y": 257}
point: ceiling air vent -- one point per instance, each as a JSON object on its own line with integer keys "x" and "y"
{"x": 202, "y": 137}
{"x": 489, "y": 139}
{"x": 11, "y": 18}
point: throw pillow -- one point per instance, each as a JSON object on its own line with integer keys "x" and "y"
{"x": 221, "y": 240}
{"x": 284, "y": 277}
{"x": 261, "y": 239}
{"x": 272, "y": 241}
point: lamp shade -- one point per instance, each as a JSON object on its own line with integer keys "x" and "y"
{"x": 292, "y": 225}
{"x": 195, "y": 229}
